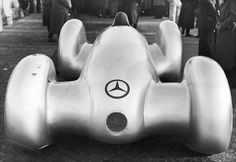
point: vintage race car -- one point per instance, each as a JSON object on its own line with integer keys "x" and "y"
{"x": 118, "y": 90}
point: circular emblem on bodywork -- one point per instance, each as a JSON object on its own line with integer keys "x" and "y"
{"x": 117, "y": 88}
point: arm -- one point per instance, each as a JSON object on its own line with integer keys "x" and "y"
{"x": 229, "y": 23}
{"x": 208, "y": 14}
{"x": 66, "y": 3}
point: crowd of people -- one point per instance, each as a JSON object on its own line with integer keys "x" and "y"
{"x": 13, "y": 9}
{"x": 216, "y": 23}
{"x": 218, "y": 33}
{"x": 226, "y": 37}
{"x": 57, "y": 12}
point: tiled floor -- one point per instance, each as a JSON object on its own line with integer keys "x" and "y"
{"x": 27, "y": 36}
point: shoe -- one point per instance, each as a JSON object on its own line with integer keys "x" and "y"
{"x": 52, "y": 40}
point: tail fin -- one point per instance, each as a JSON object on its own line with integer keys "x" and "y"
{"x": 121, "y": 19}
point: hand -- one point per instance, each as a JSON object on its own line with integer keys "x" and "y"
{"x": 218, "y": 26}
{"x": 234, "y": 26}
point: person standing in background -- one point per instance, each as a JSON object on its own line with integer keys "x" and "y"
{"x": 7, "y": 12}
{"x": 32, "y": 6}
{"x": 174, "y": 10}
{"x": 207, "y": 15}
{"x": 59, "y": 15}
{"x": 75, "y": 8}
{"x": 187, "y": 17}
{"x": 1, "y": 16}
{"x": 47, "y": 6}
{"x": 114, "y": 7}
{"x": 38, "y": 6}
{"x": 197, "y": 15}
{"x": 226, "y": 37}
{"x": 15, "y": 7}
{"x": 35, "y": 5}
{"x": 134, "y": 13}
{"x": 24, "y": 5}
{"x": 106, "y": 8}
{"x": 131, "y": 9}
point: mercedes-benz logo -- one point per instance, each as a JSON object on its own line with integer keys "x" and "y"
{"x": 117, "y": 88}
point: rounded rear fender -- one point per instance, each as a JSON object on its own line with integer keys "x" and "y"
{"x": 168, "y": 38}
{"x": 211, "y": 106}
{"x": 72, "y": 44}
{"x": 25, "y": 103}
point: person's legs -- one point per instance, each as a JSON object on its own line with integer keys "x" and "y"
{"x": 38, "y": 7}
{"x": 233, "y": 78}
{"x": 204, "y": 46}
{"x": 183, "y": 30}
{"x": 211, "y": 42}
{"x": 178, "y": 8}
{"x": 51, "y": 36}
{"x": 32, "y": 6}
{"x": 172, "y": 12}
{"x": 1, "y": 23}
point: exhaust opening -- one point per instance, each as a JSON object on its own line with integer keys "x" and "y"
{"x": 116, "y": 122}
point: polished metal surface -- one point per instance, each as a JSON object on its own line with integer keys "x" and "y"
{"x": 116, "y": 95}
{"x": 25, "y": 104}
{"x": 168, "y": 40}
{"x": 211, "y": 106}
{"x": 73, "y": 49}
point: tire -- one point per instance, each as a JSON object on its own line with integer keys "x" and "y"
{"x": 25, "y": 104}
{"x": 211, "y": 113}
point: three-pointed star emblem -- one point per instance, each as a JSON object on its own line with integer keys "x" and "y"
{"x": 117, "y": 88}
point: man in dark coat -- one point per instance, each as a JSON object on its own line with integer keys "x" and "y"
{"x": 207, "y": 15}
{"x": 38, "y": 6}
{"x": 226, "y": 37}
{"x": 24, "y": 4}
{"x": 131, "y": 9}
{"x": 47, "y": 6}
{"x": 32, "y": 6}
{"x": 186, "y": 17}
{"x": 59, "y": 15}
{"x": 75, "y": 8}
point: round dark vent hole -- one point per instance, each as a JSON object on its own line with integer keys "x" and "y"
{"x": 116, "y": 122}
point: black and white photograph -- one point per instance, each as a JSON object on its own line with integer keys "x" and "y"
{"x": 117, "y": 80}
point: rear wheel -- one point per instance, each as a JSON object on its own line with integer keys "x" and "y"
{"x": 25, "y": 105}
{"x": 211, "y": 106}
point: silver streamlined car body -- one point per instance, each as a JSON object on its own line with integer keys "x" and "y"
{"x": 118, "y": 94}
